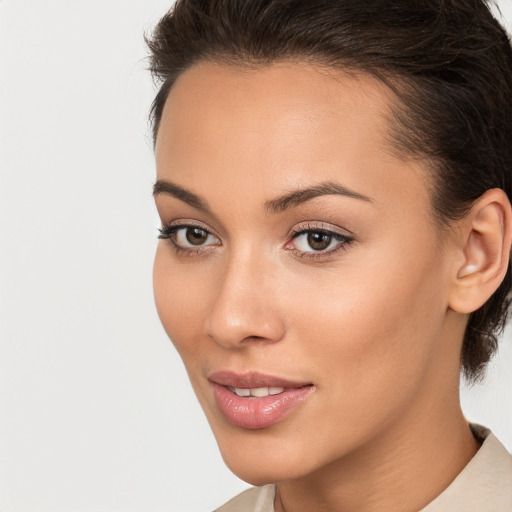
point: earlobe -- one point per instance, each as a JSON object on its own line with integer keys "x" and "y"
{"x": 486, "y": 235}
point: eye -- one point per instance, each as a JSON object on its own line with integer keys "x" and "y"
{"x": 188, "y": 237}
{"x": 193, "y": 236}
{"x": 317, "y": 242}
{"x": 314, "y": 240}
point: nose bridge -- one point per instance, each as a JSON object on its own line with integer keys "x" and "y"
{"x": 244, "y": 308}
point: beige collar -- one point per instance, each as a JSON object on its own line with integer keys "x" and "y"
{"x": 484, "y": 485}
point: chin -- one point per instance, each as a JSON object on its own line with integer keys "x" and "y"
{"x": 260, "y": 458}
{"x": 261, "y": 473}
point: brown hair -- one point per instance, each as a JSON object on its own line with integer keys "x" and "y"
{"x": 448, "y": 61}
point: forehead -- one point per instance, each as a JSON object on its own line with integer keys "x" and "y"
{"x": 268, "y": 129}
{"x": 276, "y": 102}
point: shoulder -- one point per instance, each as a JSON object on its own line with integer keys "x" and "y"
{"x": 255, "y": 499}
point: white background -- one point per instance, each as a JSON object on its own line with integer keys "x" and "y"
{"x": 96, "y": 413}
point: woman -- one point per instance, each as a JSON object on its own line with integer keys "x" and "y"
{"x": 333, "y": 181}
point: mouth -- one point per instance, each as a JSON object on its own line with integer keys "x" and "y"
{"x": 254, "y": 400}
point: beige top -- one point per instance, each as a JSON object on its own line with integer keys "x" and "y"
{"x": 484, "y": 485}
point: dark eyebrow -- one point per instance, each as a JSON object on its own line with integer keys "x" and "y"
{"x": 277, "y": 205}
{"x": 166, "y": 187}
{"x": 305, "y": 194}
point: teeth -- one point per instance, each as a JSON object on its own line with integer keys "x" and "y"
{"x": 257, "y": 392}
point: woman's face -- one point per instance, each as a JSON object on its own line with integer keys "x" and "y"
{"x": 300, "y": 265}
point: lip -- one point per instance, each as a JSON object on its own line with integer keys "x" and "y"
{"x": 252, "y": 412}
{"x": 252, "y": 380}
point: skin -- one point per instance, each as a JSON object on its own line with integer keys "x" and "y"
{"x": 375, "y": 325}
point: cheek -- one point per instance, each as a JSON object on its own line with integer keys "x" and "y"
{"x": 179, "y": 299}
{"x": 370, "y": 329}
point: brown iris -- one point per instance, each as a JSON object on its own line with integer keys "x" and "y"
{"x": 318, "y": 240}
{"x": 196, "y": 236}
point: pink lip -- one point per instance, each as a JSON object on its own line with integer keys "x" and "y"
{"x": 252, "y": 412}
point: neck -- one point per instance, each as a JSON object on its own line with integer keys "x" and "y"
{"x": 409, "y": 464}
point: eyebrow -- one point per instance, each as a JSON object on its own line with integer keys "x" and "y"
{"x": 300, "y": 196}
{"x": 171, "y": 189}
{"x": 277, "y": 205}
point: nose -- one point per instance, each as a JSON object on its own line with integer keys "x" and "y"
{"x": 245, "y": 308}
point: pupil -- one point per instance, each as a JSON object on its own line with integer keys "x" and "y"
{"x": 196, "y": 236}
{"x": 318, "y": 240}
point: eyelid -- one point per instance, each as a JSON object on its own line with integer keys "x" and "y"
{"x": 187, "y": 223}
{"x": 168, "y": 231}
{"x": 319, "y": 226}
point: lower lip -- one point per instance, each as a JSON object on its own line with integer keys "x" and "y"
{"x": 256, "y": 413}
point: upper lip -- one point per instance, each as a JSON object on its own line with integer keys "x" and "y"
{"x": 251, "y": 380}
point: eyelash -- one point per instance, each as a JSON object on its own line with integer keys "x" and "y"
{"x": 345, "y": 241}
{"x": 169, "y": 232}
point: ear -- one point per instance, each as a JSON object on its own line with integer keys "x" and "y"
{"x": 483, "y": 251}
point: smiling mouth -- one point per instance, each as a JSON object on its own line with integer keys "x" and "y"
{"x": 256, "y": 401}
